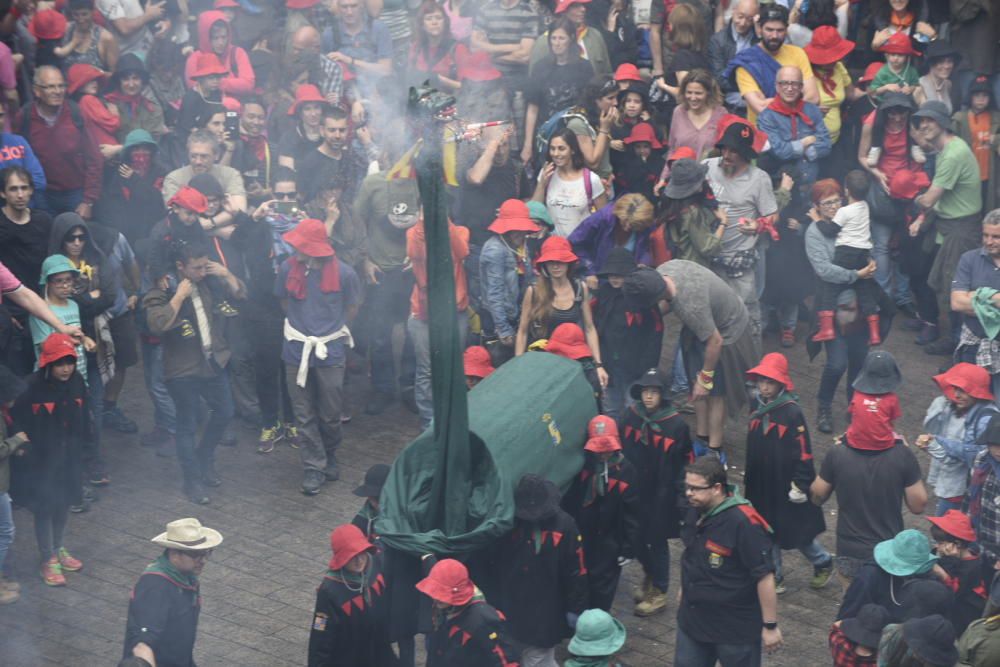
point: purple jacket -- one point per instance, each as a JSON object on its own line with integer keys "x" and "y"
{"x": 594, "y": 238}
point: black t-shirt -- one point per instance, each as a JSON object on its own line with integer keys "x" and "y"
{"x": 478, "y": 204}
{"x": 297, "y": 146}
{"x": 556, "y": 87}
{"x": 869, "y": 487}
{"x": 23, "y": 248}
{"x": 317, "y": 171}
{"x": 685, "y": 60}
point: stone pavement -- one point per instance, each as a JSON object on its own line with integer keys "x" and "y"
{"x": 258, "y": 588}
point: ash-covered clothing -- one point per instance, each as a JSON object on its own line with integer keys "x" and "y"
{"x": 954, "y": 447}
{"x": 163, "y": 613}
{"x": 778, "y": 455}
{"x": 873, "y": 418}
{"x": 855, "y": 226}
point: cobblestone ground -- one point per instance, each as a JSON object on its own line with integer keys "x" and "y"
{"x": 258, "y": 589}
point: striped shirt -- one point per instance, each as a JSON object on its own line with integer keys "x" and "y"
{"x": 504, "y": 25}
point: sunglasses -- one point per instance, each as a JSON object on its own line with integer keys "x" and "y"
{"x": 199, "y": 555}
{"x": 76, "y": 237}
{"x": 286, "y": 195}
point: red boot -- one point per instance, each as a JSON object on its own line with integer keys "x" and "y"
{"x": 874, "y": 335}
{"x": 826, "y": 331}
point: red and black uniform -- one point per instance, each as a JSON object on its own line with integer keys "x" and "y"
{"x": 474, "y": 635}
{"x": 604, "y": 501}
{"x": 965, "y": 580}
{"x": 163, "y": 614}
{"x": 541, "y": 576}
{"x": 779, "y": 454}
{"x": 351, "y": 623}
{"x": 726, "y": 552}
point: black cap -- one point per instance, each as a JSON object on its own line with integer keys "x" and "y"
{"x": 651, "y": 378}
{"x": 645, "y": 286}
{"x": 866, "y": 628}
{"x": 773, "y": 12}
{"x": 207, "y": 185}
{"x": 374, "y": 481}
{"x": 879, "y": 374}
{"x": 535, "y": 498}
{"x": 619, "y": 262}
{"x": 932, "y": 639}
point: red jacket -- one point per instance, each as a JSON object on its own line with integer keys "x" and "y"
{"x": 241, "y": 79}
{"x": 71, "y": 159}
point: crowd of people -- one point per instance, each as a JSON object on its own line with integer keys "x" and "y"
{"x": 223, "y": 194}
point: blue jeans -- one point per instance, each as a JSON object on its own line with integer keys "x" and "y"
{"x": 92, "y": 461}
{"x": 887, "y": 273}
{"x": 164, "y": 413}
{"x": 692, "y": 653}
{"x": 814, "y": 553}
{"x": 63, "y": 201}
{"x": 679, "y": 382}
{"x": 6, "y": 529}
{"x": 187, "y": 393}
{"x": 420, "y": 335}
{"x": 843, "y": 353}
{"x": 787, "y": 314}
{"x": 943, "y": 505}
{"x": 616, "y": 396}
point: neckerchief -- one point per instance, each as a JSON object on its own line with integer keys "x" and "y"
{"x": 131, "y": 102}
{"x": 794, "y": 113}
{"x": 354, "y": 582}
{"x": 734, "y": 499}
{"x": 763, "y": 409}
{"x": 652, "y": 421}
{"x": 257, "y": 144}
{"x": 295, "y": 284}
{"x": 597, "y": 482}
{"x": 901, "y": 21}
{"x": 980, "y": 473}
{"x": 439, "y": 616}
{"x": 279, "y": 224}
{"x": 827, "y": 81}
{"x": 163, "y": 566}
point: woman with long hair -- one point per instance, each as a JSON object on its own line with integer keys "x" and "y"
{"x": 598, "y": 103}
{"x": 569, "y": 190}
{"x": 555, "y": 81}
{"x": 911, "y": 17}
{"x": 432, "y": 49}
{"x": 688, "y": 41}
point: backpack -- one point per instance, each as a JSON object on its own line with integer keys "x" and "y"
{"x": 556, "y": 122}
{"x": 74, "y": 113}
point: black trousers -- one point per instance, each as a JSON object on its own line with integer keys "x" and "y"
{"x": 867, "y": 290}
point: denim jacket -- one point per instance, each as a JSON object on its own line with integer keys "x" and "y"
{"x": 954, "y": 449}
{"x": 501, "y": 284}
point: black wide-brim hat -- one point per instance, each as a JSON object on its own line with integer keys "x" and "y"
{"x": 651, "y": 378}
{"x": 619, "y": 262}
{"x": 374, "y": 481}
{"x": 739, "y": 137}
{"x": 879, "y": 374}
{"x": 535, "y": 498}
{"x": 866, "y": 628}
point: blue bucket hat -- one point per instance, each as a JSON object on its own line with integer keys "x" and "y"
{"x": 54, "y": 264}
{"x": 908, "y": 553}
{"x": 598, "y": 634}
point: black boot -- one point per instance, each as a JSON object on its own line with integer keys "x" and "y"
{"x": 824, "y": 419}
{"x": 206, "y": 464}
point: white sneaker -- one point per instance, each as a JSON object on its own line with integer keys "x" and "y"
{"x": 917, "y": 153}
{"x": 874, "y": 155}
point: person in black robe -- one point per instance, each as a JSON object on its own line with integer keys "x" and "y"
{"x": 780, "y": 469}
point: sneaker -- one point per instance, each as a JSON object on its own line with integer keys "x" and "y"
{"x": 345, "y": 419}
{"x": 79, "y": 509}
{"x": 312, "y": 481}
{"x": 9, "y": 585}
{"x": 874, "y": 155}
{"x": 9, "y": 596}
{"x": 155, "y": 438}
{"x": 928, "y": 334}
{"x": 292, "y": 436}
{"x": 269, "y": 437}
{"x": 917, "y": 153}
{"x": 788, "y": 338}
{"x": 196, "y": 494}
{"x": 779, "y": 586}
{"x": 331, "y": 472}
{"x": 653, "y": 603}
{"x": 378, "y": 403}
{"x": 116, "y": 419}
{"x": 99, "y": 479}
{"x": 68, "y": 563}
{"x": 51, "y": 572}
{"x": 821, "y": 576}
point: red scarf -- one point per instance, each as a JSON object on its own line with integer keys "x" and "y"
{"x": 827, "y": 81}
{"x": 132, "y": 101}
{"x": 794, "y": 113}
{"x": 295, "y": 284}
{"x": 258, "y": 144}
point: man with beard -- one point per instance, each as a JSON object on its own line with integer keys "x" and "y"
{"x": 202, "y": 148}
{"x": 756, "y": 69}
{"x": 333, "y": 160}
{"x": 738, "y": 35}
{"x": 977, "y": 269}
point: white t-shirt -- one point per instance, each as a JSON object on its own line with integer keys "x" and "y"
{"x": 855, "y": 230}
{"x": 140, "y": 41}
{"x": 567, "y": 201}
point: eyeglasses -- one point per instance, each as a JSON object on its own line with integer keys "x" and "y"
{"x": 790, "y": 84}
{"x": 51, "y": 87}
{"x": 692, "y": 488}
{"x": 286, "y": 195}
{"x": 830, "y": 203}
{"x": 61, "y": 281}
{"x": 199, "y": 555}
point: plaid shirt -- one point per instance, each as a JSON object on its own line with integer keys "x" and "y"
{"x": 842, "y": 650}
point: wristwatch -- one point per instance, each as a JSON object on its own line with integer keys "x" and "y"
{"x": 773, "y": 625}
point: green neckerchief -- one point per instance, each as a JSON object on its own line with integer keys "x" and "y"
{"x": 653, "y": 420}
{"x": 162, "y": 565}
{"x": 732, "y": 500}
{"x": 438, "y": 616}
{"x": 597, "y": 661}
{"x": 354, "y": 582}
{"x": 761, "y": 413}
{"x": 597, "y": 484}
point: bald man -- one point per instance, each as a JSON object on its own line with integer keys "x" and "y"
{"x": 736, "y": 36}
{"x": 795, "y": 129}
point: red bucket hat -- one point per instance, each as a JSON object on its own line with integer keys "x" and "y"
{"x": 346, "y": 542}
{"x": 207, "y": 64}
{"x": 477, "y": 361}
{"x": 973, "y": 380}
{"x": 47, "y": 24}
{"x": 563, "y": 5}
{"x": 310, "y": 238}
{"x": 569, "y": 341}
{"x": 682, "y": 153}
{"x": 870, "y": 72}
{"x": 774, "y": 366}
{"x": 80, "y": 74}
{"x": 57, "y": 346}
{"x": 827, "y": 46}
{"x": 602, "y": 435}
{"x": 189, "y": 198}
{"x": 627, "y": 72}
{"x": 556, "y": 249}
{"x": 644, "y": 132}
{"x": 306, "y": 93}
{"x": 955, "y": 524}
{"x": 513, "y": 216}
{"x": 448, "y": 582}
{"x": 899, "y": 43}
{"x": 908, "y": 183}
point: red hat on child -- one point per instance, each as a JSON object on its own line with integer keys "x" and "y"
{"x": 346, "y": 542}
{"x": 191, "y": 199}
{"x": 973, "y": 380}
{"x": 448, "y": 582}
{"x": 80, "y": 74}
{"x": 901, "y": 44}
{"x": 644, "y": 132}
{"x": 47, "y": 24}
{"x": 627, "y": 72}
{"x": 477, "y": 361}
{"x": 602, "y": 435}
{"x": 955, "y": 524}
{"x": 682, "y": 153}
{"x": 57, "y": 346}
{"x": 569, "y": 341}
{"x": 908, "y": 183}
{"x": 774, "y": 366}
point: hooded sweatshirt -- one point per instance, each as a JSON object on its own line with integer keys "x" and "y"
{"x": 241, "y": 79}
{"x": 96, "y": 270}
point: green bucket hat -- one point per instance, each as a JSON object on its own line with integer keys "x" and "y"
{"x": 54, "y": 264}
{"x": 538, "y": 213}
{"x": 908, "y": 553}
{"x": 598, "y": 633}
{"x": 138, "y": 137}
